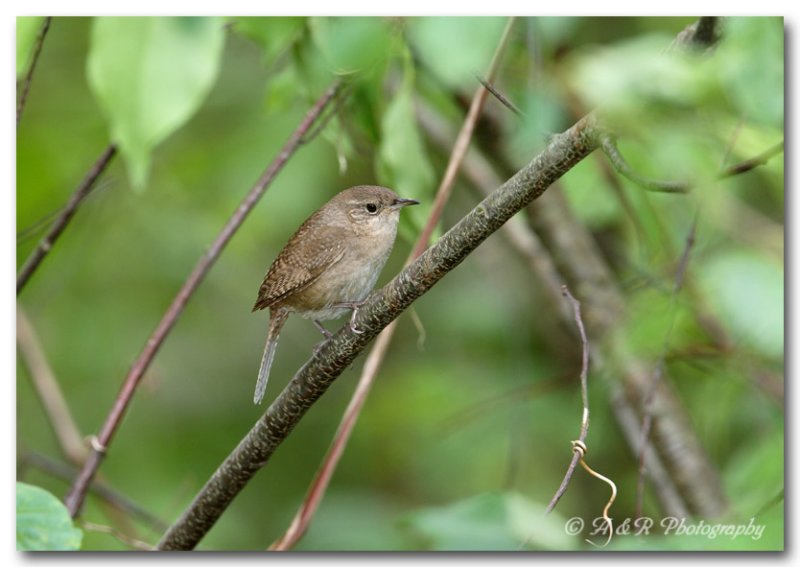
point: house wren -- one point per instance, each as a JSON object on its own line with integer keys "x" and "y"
{"x": 330, "y": 264}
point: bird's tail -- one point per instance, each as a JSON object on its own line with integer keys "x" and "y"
{"x": 277, "y": 317}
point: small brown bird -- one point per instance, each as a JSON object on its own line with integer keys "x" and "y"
{"x": 330, "y": 264}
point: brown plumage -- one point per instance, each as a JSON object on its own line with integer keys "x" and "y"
{"x": 330, "y": 264}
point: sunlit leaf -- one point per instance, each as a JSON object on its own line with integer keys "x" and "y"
{"x": 747, "y": 291}
{"x": 456, "y": 48}
{"x": 404, "y": 163}
{"x": 491, "y": 522}
{"x": 351, "y": 44}
{"x": 150, "y": 75}
{"x": 628, "y": 75}
{"x": 273, "y": 34}
{"x": 750, "y": 62}
{"x": 43, "y": 523}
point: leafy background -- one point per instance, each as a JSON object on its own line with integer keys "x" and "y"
{"x": 466, "y": 434}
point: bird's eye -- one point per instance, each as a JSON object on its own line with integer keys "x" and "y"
{"x": 372, "y": 208}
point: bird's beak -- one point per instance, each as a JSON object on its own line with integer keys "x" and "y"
{"x": 400, "y": 203}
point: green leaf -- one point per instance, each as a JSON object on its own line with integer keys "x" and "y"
{"x": 632, "y": 74}
{"x": 27, "y": 29}
{"x": 456, "y": 49}
{"x": 150, "y": 75}
{"x": 747, "y": 292}
{"x": 351, "y": 44}
{"x": 750, "y": 64}
{"x": 403, "y": 161}
{"x": 491, "y": 522}
{"x": 43, "y": 523}
{"x": 273, "y": 34}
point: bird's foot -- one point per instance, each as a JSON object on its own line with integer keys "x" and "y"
{"x": 355, "y": 306}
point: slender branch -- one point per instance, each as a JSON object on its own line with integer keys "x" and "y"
{"x": 690, "y": 483}
{"x": 319, "y": 485}
{"x": 26, "y": 85}
{"x": 75, "y": 498}
{"x": 752, "y": 163}
{"x": 113, "y": 497}
{"x": 658, "y": 372}
{"x": 576, "y": 455}
{"x": 499, "y": 96}
{"x": 610, "y": 149}
{"x": 126, "y": 539}
{"x": 563, "y": 152}
{"x": 481, "y": 173}
{"x": 609, "y": 145}
{"x": 702, "y": 34}
{"x": 46, "y": 386}
{"x": 375, "y": 358}
{"x": 461, "y": 146}
{"x": 526, "y": 242}
{"x": 327, "y": 115}
{"x": 49, "y": 239}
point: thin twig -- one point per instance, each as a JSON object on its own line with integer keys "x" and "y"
{"x": 330, "y": 112}
{"x": 113, "y": 497}
{"x": 46, "y": 386}
{"x": 49, "y": 239}
{"x": 75, "y": 498}
{"x": 127, "y": 540}
{"x": 461, "y": 146}
{"x": 576, "y": 456}
{"x": 322, "y": 479}
{"x": 658, "y": 372}
{"x": 499, "y": 96}
{"x": 26, "y": 85}
{"x": 609, "y": 146}
{"x": 375, "y": 358}
{"x": 752, "y": 163}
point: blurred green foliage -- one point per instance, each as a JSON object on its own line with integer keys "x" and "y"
{"x": 466, "y": 434}
{"x": 43, "y": 523}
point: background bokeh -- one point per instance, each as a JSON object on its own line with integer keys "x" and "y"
{"x": 466, "y": 432}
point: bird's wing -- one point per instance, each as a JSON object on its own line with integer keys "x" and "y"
{"x": 297, "y": 266}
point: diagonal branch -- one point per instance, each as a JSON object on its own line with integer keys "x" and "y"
{"x": 376, "y": 355}
{"x": 77, "y": 493}
{"x": 48, "y": 241}
{"x": 44, "y": 382}
{"x": 576, "y": 455}
{"x": 26, "y": 85}
{"x": 658, "y": 371}
{"x": 563, "y": 152}
{"x": 609, "y": 145}
{"x": 753, "y": 162}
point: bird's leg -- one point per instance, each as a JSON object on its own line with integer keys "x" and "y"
{"x": 325, "y": 332}
{"x": 355, "y": 306}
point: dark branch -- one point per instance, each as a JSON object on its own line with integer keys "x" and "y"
{"x": 67, "y": 472}
{"x": 75, "y": 498}
{"x": 49, "y": 239}
{"x": 26, "y": 85}
{"x": 753, "y": 162}
{"x": 499, "y": 96}
{"x": 313, "y": 379}
{"x": 702, "y": 34}
{"x": 576, "y": 455}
